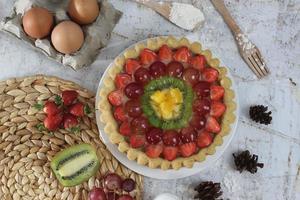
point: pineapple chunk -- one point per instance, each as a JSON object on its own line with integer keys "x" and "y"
{"x": 176, "y": 95}
{"x": 158, "y": 97}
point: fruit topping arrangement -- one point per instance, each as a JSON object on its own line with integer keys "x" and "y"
{"x": 64, "y": 111}
{"x": 168, "y": 103}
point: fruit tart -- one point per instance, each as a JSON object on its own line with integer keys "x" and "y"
{"x": 166, "y": 103}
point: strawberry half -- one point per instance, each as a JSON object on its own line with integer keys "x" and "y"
{"x": 216, "y": 92}
{"x": 182, "y": 54}
{"x": 212, "y": 125}
{"x": 137, "y": 140}
{"x": 210, "y": 74}
{"x": 204, "y": 139}
{"x": 122, "y": 80}
{"x": 50, "y": 108}
{"x": 148, "y": 57}
{"x": 131, "y": 66}
{"x": 198, "y": 62}
{"x": 69, "y": 96}
{"x": 53, "y": 122}
{"x": 187, "y": 149}
{"x": 165, "y": 53}
{"x": 116, "y": 97}
{"x": 119, "y": 114}
{"x": 217, "y": 109}
{"x": 154, "y": 151}
{"x": 70, "y": 121}
{"x": 170, "y": 153}
{"x": 77, "y": 109}
{"x": 125, "y": 128}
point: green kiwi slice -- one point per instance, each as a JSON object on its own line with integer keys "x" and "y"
{"x": 186, "y": 107}
{"x": 75, "y": 164}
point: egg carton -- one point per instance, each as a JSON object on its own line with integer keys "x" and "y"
{"x": 97, "y": 34}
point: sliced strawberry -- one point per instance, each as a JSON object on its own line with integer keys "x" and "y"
{"x": 212, "y": 125}
{"x": 70, "y": 121}
{"x": 77, "y": 109}
{"x": 116, "y": 97}
{"x": 204, "y": 139}
{"x": 148, "y": 57}
{"x": 69, "y": 96}
{"x": 210, "y": 74}
{"x": 154, "y": 151}
{"x": 53, "y": 122}
{"x": 122, "y": 80}
{"x": 50, "y": 108}
{"x": 198, "y": 62}
{"x": 187, "y": 149}
{"x": 182, "y": 54}
{"x": 217, "y": 109}
{"x": 131, "y": 66}
{"x": 125, "y": 128}
{"x": 137, "y": 140}
{"x": 216, "y": 92}
{"x": 170, "y": 153}
{"x": 165, "y": 53}
{"x": 119, "y": 113}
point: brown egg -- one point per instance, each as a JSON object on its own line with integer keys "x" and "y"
{"x": 83, "y": 11}
{"x": 67, "y": 37}
{"x": 37, "y": 22}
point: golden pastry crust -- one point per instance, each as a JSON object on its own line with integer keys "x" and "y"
{"x": 111, "y": 127}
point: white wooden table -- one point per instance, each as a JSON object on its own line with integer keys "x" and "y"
{"x": 271, "y": 24}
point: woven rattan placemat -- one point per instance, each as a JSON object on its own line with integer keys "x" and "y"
{"x": 25, "y": 152}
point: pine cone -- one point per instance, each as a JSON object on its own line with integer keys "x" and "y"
{"x": 244, "y": 161}
{"x": 258, "y": 113}
{"x": 208, "y": 191}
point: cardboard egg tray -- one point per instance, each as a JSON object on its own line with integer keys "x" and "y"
{"x": 97, "y": 34}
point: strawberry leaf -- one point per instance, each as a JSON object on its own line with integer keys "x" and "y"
{"x": 38, "y": 106}
{"x": 87, "y": 109}
{"x": 58, "y": 100}
{"x": 41, "y": 127}
{"x": 75, "y": 129}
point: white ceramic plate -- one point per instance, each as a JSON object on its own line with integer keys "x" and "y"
{"x": 158, "y": 173}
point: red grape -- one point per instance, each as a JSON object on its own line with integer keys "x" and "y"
{"x": 157, "y": 69}
{"x": 175, "y": 69}
{"x": 202, "y": 106}
{"x": 142, "y": 76}
{"x": 125, "y": 197}
{"x": 140, "y": 125}
{"x": 97, "y": 194}
{"x": 188, "y": 134}
{"x": 128, "y": 185}
{"x": 133, "y": 90}
{"x": 112, "y": 181}
{"x": 202, "y": 89}
{"x": 154, "y": 136}
{"x": 171, "y": 138}
{"x": 198, "y": 121}
{"x": 133, "y": 108}
{"x": 112, "y": 196}
{"x": 191, "y": 75}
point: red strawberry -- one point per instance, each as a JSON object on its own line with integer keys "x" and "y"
{"x": 77, "y": 109}
{"x": 131, "y": 66}
{"x": 52, "y": 122}
{"x": 50, "y": 108}
{"x": 217, "y": 109}
{"x": 148, "y": 57}
{"x": 170, "y": 153}
{"x": 198, "y": 62}
{"x": 204, "y": 139}
{"x": 137, "y": 140}
{"x": 122, "y": 80}
{"x": 212, "y": 125}
{"x": 69, "y": 96}
{"x": 187, "y": 149}
{"x": 116, "y": 97}
{"x": 119, "y": 113}
{"x": 210, "y": 74}
{"x": 182, "y": 54}
{"x": 216, "y": 92}
{"x": 125, "y": 128}
{"x": 165, "y": 53}
{"x": 70, "y": 121}
{"x": 154, "y": 151}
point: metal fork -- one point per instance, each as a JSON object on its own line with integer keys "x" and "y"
{"x": 247, "y": 49}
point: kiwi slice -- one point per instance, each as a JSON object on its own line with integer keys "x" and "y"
{"x": 75, "y": 164}
{"x": 186, "y": 108}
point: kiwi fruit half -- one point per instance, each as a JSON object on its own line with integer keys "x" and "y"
{"x": 75, "y": 164}
{"x": 185, "y": 110}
